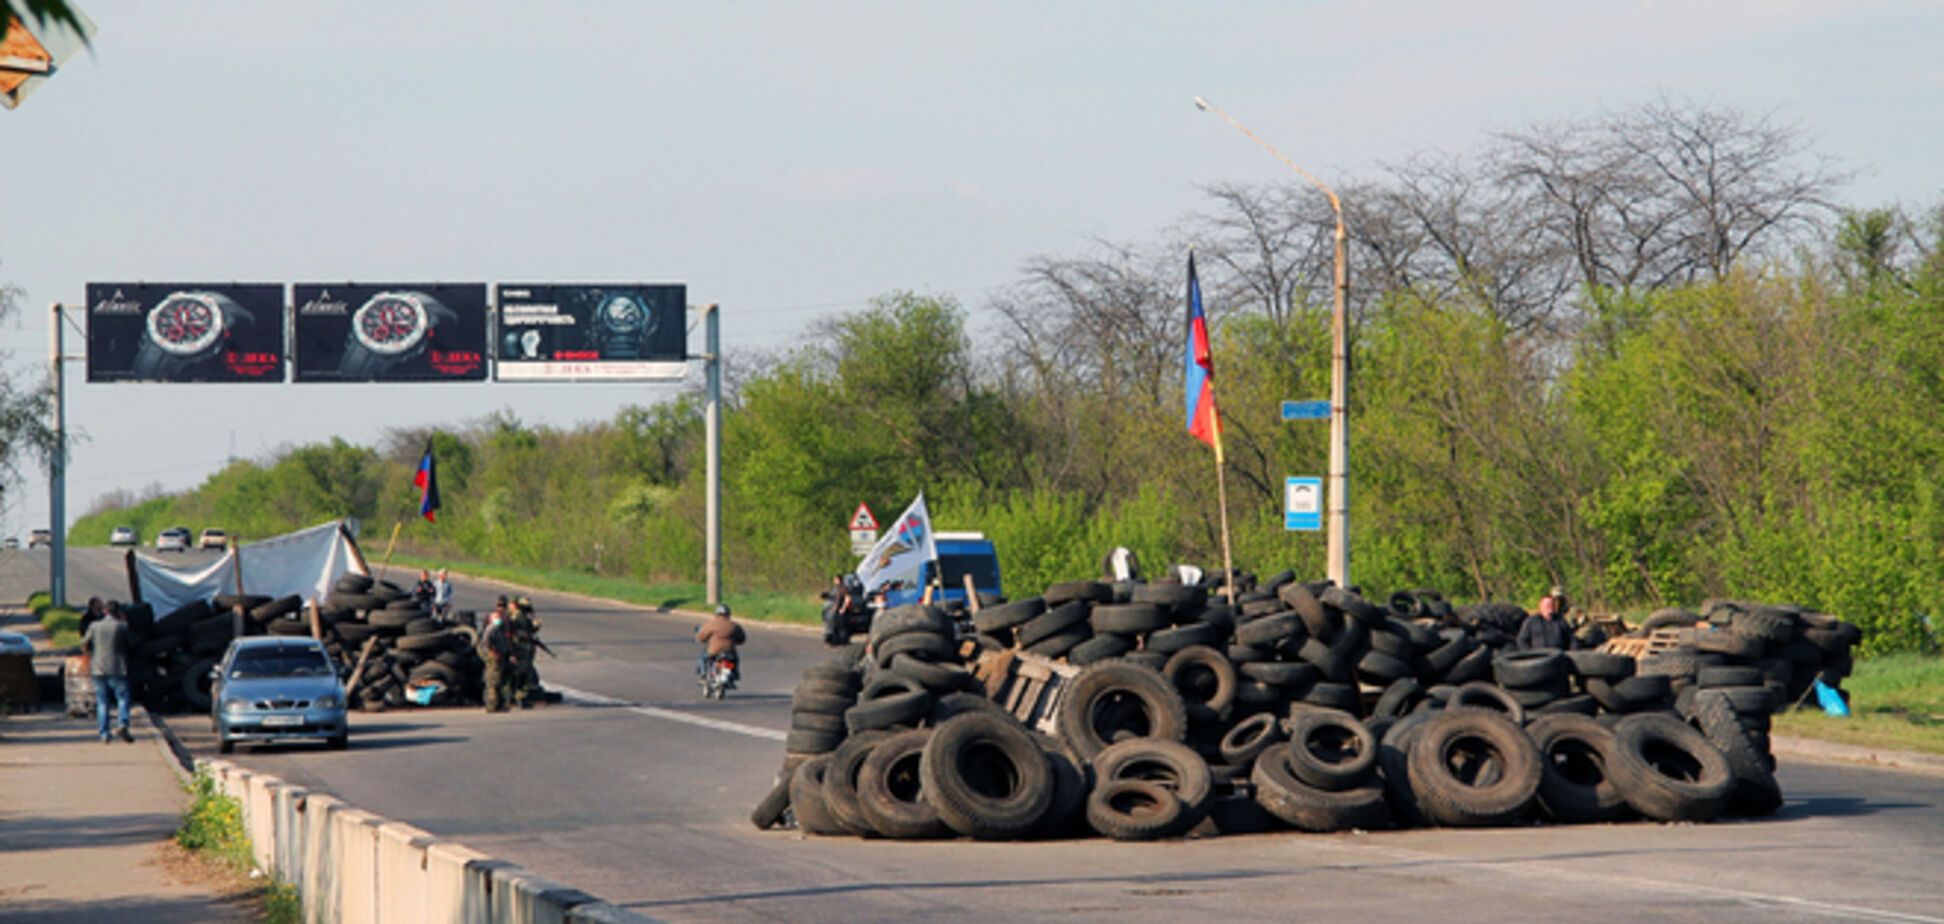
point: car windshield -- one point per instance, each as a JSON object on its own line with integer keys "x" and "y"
{"x": 983, "y": 569}
{"x": 251, "y": 664}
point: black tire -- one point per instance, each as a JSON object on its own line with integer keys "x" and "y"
{"x": 994, "y": 619}
{"x": 1668, "y": 771}
{"x": 1056, "y": 621}
{"x": 1116, "y": 699}
{"x": 986, "y": 777}
{"x": 1151, "y": 660}
{"x": 1773, "y": 625}
{"x": 424, "y": 625}
{"x": 1339, "y": 696}
{"x": 806, "y": 798}
{"x": 1381, "y": 668}
{"x": 890, "y": 792}
{"x": 351, "y": 582}
{"x": 833, "y": 672}
{"x": 1326, "y": 659}
{"x": 800, "y": 741}
{"x": 1135, "y": 810}
{"x": 1481, "y": 695}
{"x": 1474, "y": 666}
{"x": 1247, "y": 739}
{"x": 1674, "y": 662}
{"x": 768, "y": 812}
{"x": 195, "y": 683}
{"x": 1179, "y": 599}
{"x": 1085, "y": 592}
{"x": 1756, "y": 793}
{"x": 925, "y": 646}
{"x": 1330, "y": 750}
{"x": 1270, "y": 631}
{"x": 1060, "y": 645}
{"x": 821, "y": 722}
{"x": 1752, "y": 700}
{"x": 1354, "y": 606}
{"x": 1288, "y": 674}
{"x": 821, "y": 701}
{"x": 1398, "y": 699}
{"x": 840, "y": 781}
{"x": 1725, "y": 642}
{"x": 899, "y": 620}
{"x": 1529, "y": 669}
{"x": 1204, "y": 678}
{"x": 340, "y": 600}
{"x": 1072, "y": 781}
{"x": 1578, "y": 704}
{"x": 1643, "y": 691}
{"x": 1393, "y": 759}
{"x": 427, "y": 643}
{"x": 1307, "y": 808}
{"x": 1604, "y": 665}
{"x": 1169, "y": 641}
{"x": 264, "y": 612}
{"x": 1099, "y": 648}
{"x": 389, "y": 618}
{"x": 1168, "y": 763}
{"x": 1129, "y": 618}
{"x": 1575, "y": 785}
{"x": 1473, "y": 768}
{"x": 894, "y": 709}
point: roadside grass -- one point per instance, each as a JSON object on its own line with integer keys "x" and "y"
{"x": 766, "y": 606}
{"x": 62, "y": 624}
{"x": 1896, "y": 702}
{"x": 212, "y": 829}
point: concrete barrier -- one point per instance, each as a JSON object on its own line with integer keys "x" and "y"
{"x": 532, "y": 899}
{"x": 260, "y": 820}
{"x": 604, "y": 913}
{"x": 404, "y": 880}
{"x": 289, "y": 832}
{"x": 317, "y": 882}
{"x": 355, "y": 849}
{"x": 459, "y": 886}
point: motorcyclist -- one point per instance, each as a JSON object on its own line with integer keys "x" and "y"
{"x": 720, "y": 635}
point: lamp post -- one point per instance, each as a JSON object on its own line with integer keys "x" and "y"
{"x": 1338, "y": 500}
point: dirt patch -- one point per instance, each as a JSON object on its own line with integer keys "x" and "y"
{"x": 233, "y": 887}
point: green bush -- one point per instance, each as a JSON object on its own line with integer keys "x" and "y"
{"x": 213, "y": 824}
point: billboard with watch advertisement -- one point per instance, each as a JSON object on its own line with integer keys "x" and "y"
{"x": 185, "y": 332}
{"x": 606, "y": 332}
{"x": 394, "y": 332}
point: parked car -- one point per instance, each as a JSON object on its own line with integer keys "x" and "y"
{"x": 123, "y": 535}
{"x": 213, "y": 539}
{"x": 14, "y": 643}
{"x": 173, "y": 539}
{"x": 40, "y": 537}
{"x": 272, "y": 688}
{"x": 13, "y": 542}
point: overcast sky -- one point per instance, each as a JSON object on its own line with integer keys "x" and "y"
{"x": 789, "y": 160}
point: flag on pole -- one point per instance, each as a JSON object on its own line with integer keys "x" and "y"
{"x": 1198, "y": 368}
{"x": 906, "y": 546}
{"x": 427, "y": 480}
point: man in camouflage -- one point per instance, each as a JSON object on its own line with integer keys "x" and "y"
{"x": 525, "y": 631}
{"x": 501, "y": 654}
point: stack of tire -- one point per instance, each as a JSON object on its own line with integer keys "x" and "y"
{"x": 409, "y": 650}
{"x": 170, "y": 658}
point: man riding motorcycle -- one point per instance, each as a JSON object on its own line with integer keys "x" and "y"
{"x": 719, "y": 636}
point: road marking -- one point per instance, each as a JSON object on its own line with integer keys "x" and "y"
{"x": 584, "y": 698}
{"x": 1554, "y": 872}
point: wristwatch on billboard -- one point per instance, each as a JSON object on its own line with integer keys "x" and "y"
{"x": 388, "y": 329}
{"x": 187, "y": 328}
{"x": 620, "y": 326}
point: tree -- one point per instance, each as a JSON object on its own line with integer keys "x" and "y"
{"x": 25, "y": 436}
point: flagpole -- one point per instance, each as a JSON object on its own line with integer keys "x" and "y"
{"x": 1221, "y": 497}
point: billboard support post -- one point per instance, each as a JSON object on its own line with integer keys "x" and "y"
{"x": 57, "y": 466}
{"x": 712, "y": 422}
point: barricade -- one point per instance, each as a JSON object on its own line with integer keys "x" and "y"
{"x": 404, "y": 881}
{"x": 356, "y": 852}
{"x": 459, "y": 886}
{"x": 260, "y": 819}
{"x": 289, "y": 832}
{"x": 317, "y": 881}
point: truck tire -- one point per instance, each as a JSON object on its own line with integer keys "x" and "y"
{"x": 1118, "y": 699}
{"x": 1668, "y": 771}
{"x": 890, "y": 791}
{"x": 1307, "y": 808}
{"x": 1167, "y": 763}
{"x": 806, "y": 799}
{"x": 1134, "y": 810}
{"x": 1330, "y": 749}
{"x": 1576, "y": 785}
{"x": 1472, "y": 768}
{"x": 986, "y": 777}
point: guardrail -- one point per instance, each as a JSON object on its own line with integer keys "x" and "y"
{"x": 354, "y": 867}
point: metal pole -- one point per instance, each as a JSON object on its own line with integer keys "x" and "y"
{"x": 712, "y": 422}
{"x": 1339, "y": 488}
{"x": 1337, "y": 552}
{"x": 57, "y": 466}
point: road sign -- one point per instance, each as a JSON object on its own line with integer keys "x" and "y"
{"x": 1306, "y": 410}
{"x": 28, "y": 56}
{"x": 862, "y": 540}
{"x": 862, "y": 520}
{"x": 1303, "y": 503}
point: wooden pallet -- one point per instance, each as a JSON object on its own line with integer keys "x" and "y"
{"x": 1026, "y": 685}
{"x": 1653, "y": 643}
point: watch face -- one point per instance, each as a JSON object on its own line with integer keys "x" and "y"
{"x": 623, "y": 315}
{"x": 530, "y": 344}
{"x": 185, "y": 323}
{"x": 390, "y": 323}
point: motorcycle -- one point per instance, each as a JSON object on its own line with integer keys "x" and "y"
{"x": 719, "y": 677}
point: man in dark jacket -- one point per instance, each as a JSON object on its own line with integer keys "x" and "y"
{"x": 107, "y": 646}
{"x": 1547, "y": 628}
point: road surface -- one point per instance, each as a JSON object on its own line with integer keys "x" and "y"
{"x": 640, "y": 793}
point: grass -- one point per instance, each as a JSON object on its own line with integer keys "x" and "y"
{"x": 761, "y": 606}
{"x": 62, "y": 624}
{"x": 1896, "y": 702}
{"x": 212, "y": 829}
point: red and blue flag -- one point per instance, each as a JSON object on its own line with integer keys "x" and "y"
{"x": 1198, "y": 370}
{"x": 427, "y": 481}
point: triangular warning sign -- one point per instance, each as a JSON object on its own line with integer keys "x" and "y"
{"x": 862, "y": 519}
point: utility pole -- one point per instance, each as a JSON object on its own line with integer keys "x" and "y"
{"x": 712, "y": 423}
{"x": 57, "y": 463}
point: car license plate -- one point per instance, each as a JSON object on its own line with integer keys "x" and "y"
{"x": 278, "y": 721}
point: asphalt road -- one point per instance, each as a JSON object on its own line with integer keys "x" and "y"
{"x": 639, "y": 793}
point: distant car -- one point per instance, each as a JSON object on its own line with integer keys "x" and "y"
{"x": 13, "y": 542}
{"x": 40, "y": 537}
{"x": 213, "y": 539}
{"x": 272, "y": 688}
{"x": 123, "y": 535}
{"x": 173, "y": 539}
{"x": 14, "y": 643}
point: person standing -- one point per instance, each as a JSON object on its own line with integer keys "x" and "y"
{"x": 442, "y": 596}
{"x": 496, "y": 648}
{"x": 92, "y": 614}
{"x": 107, "y": 647}
{"x": 423, "y": 591}
{"x": 1547, "y": 629}
{"x": 524, "y": 628}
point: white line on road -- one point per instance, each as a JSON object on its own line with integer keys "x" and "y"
{"x": 584, "y": 698}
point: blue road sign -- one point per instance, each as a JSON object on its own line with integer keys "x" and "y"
{"x": 1306, "y": 410}
{"x": 1303, "y": 504}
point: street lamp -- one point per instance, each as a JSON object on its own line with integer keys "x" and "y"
{"x": 1338, "y": 525}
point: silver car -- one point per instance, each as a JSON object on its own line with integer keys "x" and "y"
{"x": 277, "y": 688}
{"x": 123, "y": 535}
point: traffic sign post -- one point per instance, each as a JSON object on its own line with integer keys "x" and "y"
{"x": 1303, "y": 504}
{"x": 1306, "y": 410}
{"x": 863, "y": 530}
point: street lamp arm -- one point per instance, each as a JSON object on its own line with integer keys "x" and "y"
{"x": 1336, "y": 205}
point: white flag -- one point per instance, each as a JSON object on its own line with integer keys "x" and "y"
{"x": 907, "y": 544}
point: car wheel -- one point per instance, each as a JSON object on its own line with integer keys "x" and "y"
{"x": 225, "y": 746}
{"x": 340, "y": 742}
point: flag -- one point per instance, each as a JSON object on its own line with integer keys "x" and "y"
{"x": 427, "y": 480}
{"x": 903, "y": 550}
{"x": 1198, "y": 368}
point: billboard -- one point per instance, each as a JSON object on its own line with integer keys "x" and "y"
{"x": 185, "y": 332}
{"x": 580, "y": 332}
{"x": 404, "y": 332}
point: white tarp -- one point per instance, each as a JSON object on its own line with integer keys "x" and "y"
{"x": 306, "y": 563}
{"x": 905, "y": 548}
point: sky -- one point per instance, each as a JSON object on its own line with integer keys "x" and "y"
{"x": 789, "y": 161}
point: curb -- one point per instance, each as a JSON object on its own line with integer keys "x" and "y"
{"x": 1816, "y": 750}
{"x": 173, "y": 752}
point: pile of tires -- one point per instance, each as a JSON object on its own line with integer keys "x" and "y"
{"x": 1301, "y": 706}
{"x": 393, "y": 651}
